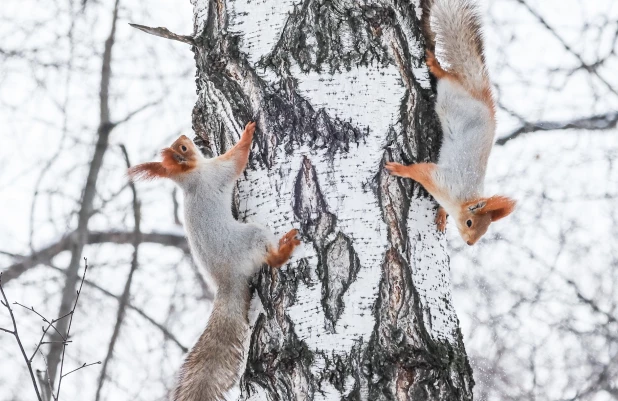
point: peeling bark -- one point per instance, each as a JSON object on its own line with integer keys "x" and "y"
{"x": 365, "y": 312}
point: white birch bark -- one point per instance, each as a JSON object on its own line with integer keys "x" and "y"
{"x": 363, "y": 312}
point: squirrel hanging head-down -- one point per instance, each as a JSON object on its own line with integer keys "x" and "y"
{"x": 231, "y": 252}
{"x": 466, "y": 111}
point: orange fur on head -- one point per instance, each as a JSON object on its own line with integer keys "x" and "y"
{"x": 498, "y": 207}
{"x": 179, "y": 158}
{"x": 476, "y": 216}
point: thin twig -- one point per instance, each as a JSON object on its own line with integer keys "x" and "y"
{"x": 64, "y": 345}
{"x": 16, "y": 335}
{"x": 50, "y": 389}
{"x": 135, "y": 112}
{"x": 45, "y": 320}
{"x": 85, "y": 365}
{"x": 56, "y": 342}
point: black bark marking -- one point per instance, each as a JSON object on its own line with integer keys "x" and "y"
{"x": 401, "y": 360}
{"x": 226, "y": 77}
{"x": 338, "y": 263}
{"x": 309, "y": 205}
{"x": 278, "y": 361}
{"x": 327, "y": 35}
{"x": 340, "y": 369}
{"x": 341, "y": 265}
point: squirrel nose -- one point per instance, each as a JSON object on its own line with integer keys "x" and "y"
{"x": 469, "y": 242}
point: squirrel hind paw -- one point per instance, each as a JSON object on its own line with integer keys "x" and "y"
{"x": 287, "y": 243}
{"x": 289, "y": 237}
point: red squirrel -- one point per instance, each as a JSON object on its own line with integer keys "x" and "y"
{"x": 230, "y": 251}
{"x": 466, "y": 111}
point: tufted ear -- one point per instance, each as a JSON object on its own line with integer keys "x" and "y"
{"x": 477, "y": 206}
{"x": 499, "y": 207}
{"x": 147, "y": 171}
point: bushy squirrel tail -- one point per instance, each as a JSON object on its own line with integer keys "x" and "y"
{"x": 454, "y": 26}
{"x": 212, "y": 366}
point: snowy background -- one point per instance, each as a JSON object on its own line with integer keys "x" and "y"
{"x": 536, "y": 298}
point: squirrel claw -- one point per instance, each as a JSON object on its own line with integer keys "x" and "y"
{"x": 290, "y": 237}
{"x": 287, "y": 243}
{"x": 441, "y": 220}
{"x": 250, "y": 127}
{"x": 394, "y": 168}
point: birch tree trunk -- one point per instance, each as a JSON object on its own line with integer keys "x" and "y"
{"x": 337, "y": 87}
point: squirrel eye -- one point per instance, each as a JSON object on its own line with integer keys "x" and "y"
{"x": 184, "y": 148}
{"x": 469, "y": 223}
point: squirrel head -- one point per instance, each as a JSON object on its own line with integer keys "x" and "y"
{"x": 476, "y": 216}
{"x": 182, "y": 157}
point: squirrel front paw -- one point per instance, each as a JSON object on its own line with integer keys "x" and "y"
{"x": 395, "y": 169}
{"x": 441, "y": 219}
{"x": 250, "y": 128}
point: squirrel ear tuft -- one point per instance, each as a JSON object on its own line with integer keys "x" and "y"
{"x": 147, "y": 171}
{"x": 499, "y": 206}
{"x": 477, "y": 206}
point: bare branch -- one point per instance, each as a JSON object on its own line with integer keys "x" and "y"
{"x": 45, "y": 390}
{"x": 135, "y": 112}
{"x": 176, "y": 207}
{"x": 590, "y": 302}
{"x": 56, "y": 353}
{"x": 165, "y": 33}
{"x": 64, "y": 344}
{"x": 568, "y": 48}
{"x": 124, "y": 298}
{"x": 10, "y": 254}
{"x": 56, "y": 342}
{"x": 45, "y": 255}
{"x": 594, "y": 123}
{"x": 166, "y": 333}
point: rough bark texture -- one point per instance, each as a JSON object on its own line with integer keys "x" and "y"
{"x": 337, "y": 89}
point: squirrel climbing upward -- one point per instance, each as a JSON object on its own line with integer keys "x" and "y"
{"x": 466, "y": 111}
{"x": 230, "y": 251}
